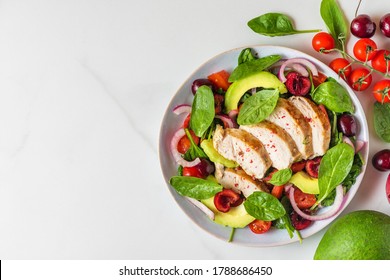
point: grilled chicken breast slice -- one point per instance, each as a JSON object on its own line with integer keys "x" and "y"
{"x": 288, "y": 117}
{"x": 318, "y": 121}
{"x": 238, "y": 180}
{"x": 279, "y": 145}
{"x": 245, "y": 149}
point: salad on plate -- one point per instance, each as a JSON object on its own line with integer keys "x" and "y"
{"x": 269, "y": 145}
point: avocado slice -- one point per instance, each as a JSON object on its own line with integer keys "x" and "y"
{"x": 214, "y": 156}
{"x": 305, "y": 183}
{"x": 236, "y": 217}
{"x": 262, "y": 79}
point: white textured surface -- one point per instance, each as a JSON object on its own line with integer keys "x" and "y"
{"x": 83, "y": 88}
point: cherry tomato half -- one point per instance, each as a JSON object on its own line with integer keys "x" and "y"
{"x": 317, "y": 80}
{"x": 341, "y": 66}
{"x": 381, "y": 91}
{"x": 277, "y": 191}
{"x": 184, "y": 143}
{"x": 381, "y": 61}
{"x": 220, "y": 79}
{"x": 360, "y": 79}
{"x": 201, "y": 170}
{"x": 322, "y": 41}
{"x": 304, "y": 200}
{"x": 364, "y": 49}
{"x": 260, "y": 226}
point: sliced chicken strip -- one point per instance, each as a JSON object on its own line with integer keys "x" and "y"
{"x": 245, "y": 149}
{"x": 318, "y": 121}
{"x": 238, "y": 180}
{"x": 280, "y": 147}
{"x": 288, "y": 117}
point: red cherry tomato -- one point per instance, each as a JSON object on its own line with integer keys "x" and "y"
{"x": 201, "y": 170}
{"x": 184, "y": 143}
{"x": 381, "y": 61}
{"x": 304, "y": 200}
{"x": 341, "y": 66}
{"x": 381, "y": 91}
{"x": 220, "y": 79}
{"x": 277, "y": 191}
{"x": 322, "y": 41}
{"x": 360, "y": 79}
{"x": 317, "y": 80}
{"x": 227, "y": 198}
{"x": 259, "y": 226}
{"x": 186, "y": 121}
{"x": 192, "y": 172}
{"x": 364, "y": 49}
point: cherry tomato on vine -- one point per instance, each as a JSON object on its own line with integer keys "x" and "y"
{"x": 364, "y": 49}
{"x": 260, "y": 226}
{"x": 381, "y": 61}
{"x": 381, "y": 91}
{"x": 360, "y": 79}
{"x": 323, "y": 41}
{"x": 342, "y": 67}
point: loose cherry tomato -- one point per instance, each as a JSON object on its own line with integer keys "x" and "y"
{"x": 298, "y": 166}
{"x": 360, "y": 79}
{"x": 186, "y": 122}
{"x": 299, "y": 222}
{"x": 322, "y": 41}
{"x": 184, "y": 143}
{"x": 277, "y": 191}
{"x": 381, "y": 91}
{"x": 364, "y": 49}
{"x": 304, "y": 200}
{"x": 225, "y": 199}
{"x": 220, "y": 79}
{"x": 381, "y": 61}
{"x": 260, "y": 226}
{"x": 341, "y": 66}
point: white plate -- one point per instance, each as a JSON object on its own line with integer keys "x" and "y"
{"x": 171, "y": 122}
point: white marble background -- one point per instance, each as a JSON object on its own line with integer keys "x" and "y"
{"x": 83, "y": 88}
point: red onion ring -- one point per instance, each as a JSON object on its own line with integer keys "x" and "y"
{"x": 227, "y": 121}
{"x": 359, "y": 145}
{"x": 202, "y": 207}
{"x": 182, "y": 108}
{"x": 292, "y": 61}
{"x": 176, "y": 155}
{"x": 348, "y": 141}
{"x": 337, "y": 204}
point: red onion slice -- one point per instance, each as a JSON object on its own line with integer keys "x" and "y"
{"x": 182, "y": 108}
{"x": 176, "y": 155}
{"x": 337, "y": 204}
{"x": 292, "y": 61}
{"x": 227, "y": 121}
{"x": 388, "y": 188}
{"x": 359, "y": 145}
{"x": 202, "y": 207}
{"x": 348, "y": 141}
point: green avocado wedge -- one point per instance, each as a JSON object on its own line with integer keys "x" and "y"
{"x": 214, "y": 156}
{"x": 262, "y": 79}
{"x": 305, "y": 183}
{"x": 236, "y": 217}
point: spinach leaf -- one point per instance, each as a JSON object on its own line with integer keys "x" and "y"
{"x": 251, "y": 67}
{"x": 264, "y": 206}
{"x": 194, "y": 151}
{"x": 195, "y": 187}
{"x": 382, "y": 120}
{"x": 336, "y": 137}
{"x": 333, "y": 96}
{"x": 245, "y": 56}
{"x": 355, "y": 171}
{"x": 334, "y": 168}
{"x": 281, "y": 177}
{"x": 335, "y": 21}
{"x": 258, "y": 107}
{"x": 274, "y": 24}
{"x": 203, "y": 111}
{"x": 284, "y": 222}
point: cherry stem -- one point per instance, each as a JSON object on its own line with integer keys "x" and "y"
{"x": 357, "y": 8}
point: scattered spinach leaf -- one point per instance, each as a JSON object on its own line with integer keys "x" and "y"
{"x": 245, "y": 56}
{"x": 258, "y": 107}
{"x": 203, "y": 112}
{"x": 281, "y": 177}
{"x": 194, "y": 151}
{"x": 334, "y": 96}
{"x": 382, "y": 120}
{"x": 355, "y": 171}
{"x": 334, "y": 168}
{"x": 335, "y": 21}
{"x": 196, "y": 188}
{"x": 264, "y": 206}
{"x": 275, "y": 24}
